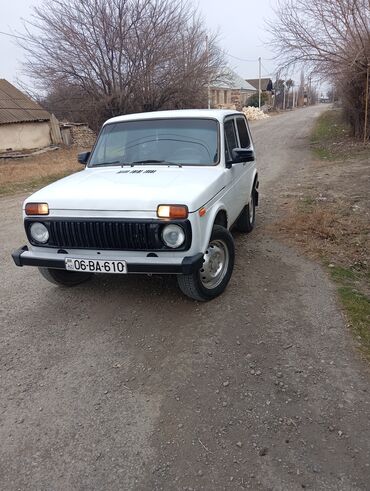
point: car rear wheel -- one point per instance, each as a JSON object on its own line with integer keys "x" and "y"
{"x": 63, "y": 277}
{"x": 214, "y": 275}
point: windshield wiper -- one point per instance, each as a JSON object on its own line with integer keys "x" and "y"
{"x": 115, "y": 162}
{"x": 136, "y": 162}
{"x": 152, "y": 161}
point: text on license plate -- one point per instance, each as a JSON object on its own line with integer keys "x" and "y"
{"x": 96, "y": 266}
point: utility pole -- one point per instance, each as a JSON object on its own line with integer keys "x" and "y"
{"x": 366, "y": 102}
{"x": 284, "y": 95}
{"x": 259, "y": 82}
{"x": 276, "y": 88}
{"x": 208, "y": 75}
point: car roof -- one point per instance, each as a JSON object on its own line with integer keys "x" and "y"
{"x": 218, "y": 114}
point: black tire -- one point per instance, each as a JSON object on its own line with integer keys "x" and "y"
{"x": 247, "y": 219}
{"x": 63, "y": 277}
{"x": 194, "y": 285}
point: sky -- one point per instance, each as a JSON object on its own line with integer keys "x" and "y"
{"x": 240, "y": 24}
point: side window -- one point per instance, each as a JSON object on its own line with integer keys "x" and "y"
{"x": 230, "y": 139}
{"x": 243, "y": 133}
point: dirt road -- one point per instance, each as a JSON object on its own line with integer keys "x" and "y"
{"x": 122, "y": 383}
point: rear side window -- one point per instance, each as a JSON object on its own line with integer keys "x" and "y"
{"x": 230, "y": 139}
{"x": 243, "y": 133}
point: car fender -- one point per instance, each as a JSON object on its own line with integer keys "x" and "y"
{"x": 255, "y": 186}
{"x": 207, "y": 223}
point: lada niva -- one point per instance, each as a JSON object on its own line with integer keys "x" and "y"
{"x": 158, "y": 195}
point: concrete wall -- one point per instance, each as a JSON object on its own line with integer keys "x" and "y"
{"x": 24, "y": 136}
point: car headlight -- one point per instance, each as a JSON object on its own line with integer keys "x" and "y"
{"x": 173, "y": 236}
{"x": 39, "y": 232}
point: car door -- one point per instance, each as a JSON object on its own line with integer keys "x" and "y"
{"x": 237, "y": 195}
{"x": 245, "y": 141}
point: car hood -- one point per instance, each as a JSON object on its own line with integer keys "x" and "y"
{"x": 139, "y": 188}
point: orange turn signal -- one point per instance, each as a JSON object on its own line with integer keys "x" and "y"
{"x": 202, "y": 212}
{"x": 172, "y": 211}
{"x": 37, "y": 209}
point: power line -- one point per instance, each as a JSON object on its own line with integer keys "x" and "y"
{"x": 241, "y": 59}
{"x": 226, "y": 52}
{"x": 267, "y": 71}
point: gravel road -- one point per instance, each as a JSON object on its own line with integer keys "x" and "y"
{"x": 123, "y": 383}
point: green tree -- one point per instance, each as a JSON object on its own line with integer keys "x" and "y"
{"x": 253, "y": 99}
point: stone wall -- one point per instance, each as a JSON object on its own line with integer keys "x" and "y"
{"x": 229, "y": 98}
{"x": 82, "y": 136}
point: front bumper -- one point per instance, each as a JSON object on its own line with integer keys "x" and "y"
{"x": 146, "y": 265}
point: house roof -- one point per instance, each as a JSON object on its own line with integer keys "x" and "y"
{"x": 254, "y": 83}
{"x": 231, "y": 80}
{"x": 16, "y": 107}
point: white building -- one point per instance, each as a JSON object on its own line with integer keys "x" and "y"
{"x": 231, "y": 91}
{"x": 24, "y": 124}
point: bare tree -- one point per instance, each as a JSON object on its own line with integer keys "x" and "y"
{"x": 289, "y": 84}
{"x": 122, "y": 56}
{"x": 331, "y": 38}
{"x": 279, "y": 89}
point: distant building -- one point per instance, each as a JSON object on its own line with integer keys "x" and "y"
{"x": 324, "y": 99}
{"x": 24, "y": 124}
{"x": 266, "y": 84}
{"x": 230, "y": 91}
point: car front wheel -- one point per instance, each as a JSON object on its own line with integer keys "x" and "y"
{"x": 63, "y": 277}
{"x": 214, "y": 275}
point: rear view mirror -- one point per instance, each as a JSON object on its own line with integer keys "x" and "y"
{"x": 83, "y": 157}
{"x": 243, "y": 155}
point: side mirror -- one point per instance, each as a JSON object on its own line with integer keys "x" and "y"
{"x": 83, "y": 157}
{"x": 243, "y": 155}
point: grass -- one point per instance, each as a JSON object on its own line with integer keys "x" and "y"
{"x": 329, "y": 126}
{"x": 330, "y": 219}
{"x": 328, "y": 140}
{"x": 327, "y": 234}
{"x": 31, "y": 185}
{"x": 340, "y": 274}
{"x": 32, "y": 173}
{"x": 306, "y": 203}
{"x": 355, "y": 303}
{"x": 331, "y": 139}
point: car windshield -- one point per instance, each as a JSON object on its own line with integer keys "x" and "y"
{"x": 162, "y": 141}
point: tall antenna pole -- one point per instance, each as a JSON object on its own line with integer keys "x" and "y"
{"x": 259, "y": 82}
{"x": 208, "y": 75}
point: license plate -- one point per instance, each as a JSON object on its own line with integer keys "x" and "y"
{"x": 96, "y": 266}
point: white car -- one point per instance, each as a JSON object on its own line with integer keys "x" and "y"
{"x": 159, "y": 194}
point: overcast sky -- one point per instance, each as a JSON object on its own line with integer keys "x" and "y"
{"x": 240, "y": 23}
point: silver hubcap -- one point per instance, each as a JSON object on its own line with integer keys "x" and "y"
{"x": 216, "y": 262}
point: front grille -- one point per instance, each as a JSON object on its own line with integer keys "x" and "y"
{"x": 107, "y": 234}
